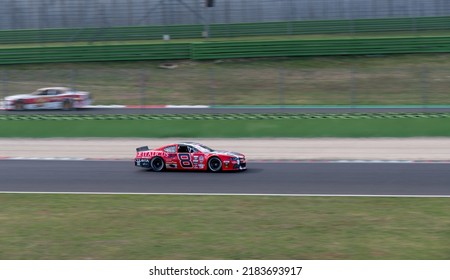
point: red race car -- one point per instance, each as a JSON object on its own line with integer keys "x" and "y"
{"x": 189, "y": 156}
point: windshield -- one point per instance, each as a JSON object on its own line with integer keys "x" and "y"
{"x": 38, "y": 92}
{"x": 204, "y": 148}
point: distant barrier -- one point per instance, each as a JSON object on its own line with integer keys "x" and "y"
{"x": 95, "y": 53}
{"x": 220, "y": 50}
{"x": 223, "y": 50}
{"x": 352, "y": 26}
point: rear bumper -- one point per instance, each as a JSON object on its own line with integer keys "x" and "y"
{"x": 144, "y": 163}
{"x": 7, "y": 105}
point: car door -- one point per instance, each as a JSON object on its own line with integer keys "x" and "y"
{"x": 41, "y": 100}
{"x": 184, "y": 159}
{"x": 189, "y": 157}
{"x": 54, "y": 99}
{"x": 198, "y": 159}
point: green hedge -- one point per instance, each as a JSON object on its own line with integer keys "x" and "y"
{"x": 225, "y": 127}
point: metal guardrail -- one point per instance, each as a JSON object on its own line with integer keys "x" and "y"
{"x": 354, "y": 26}
{"x": 95, "y": 53}
{"x": 223, "y": 50}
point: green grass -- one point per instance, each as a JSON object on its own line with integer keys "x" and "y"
{"x": 409, "y": 127}
{"x": 222, "y": 227}
{"x": 356, "y": 80}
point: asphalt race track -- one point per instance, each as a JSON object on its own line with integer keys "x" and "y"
{"x": 384, "y": 179}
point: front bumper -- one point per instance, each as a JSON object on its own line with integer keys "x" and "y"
{"x": 240, "y": 164}
{"x": 83, "y": 103}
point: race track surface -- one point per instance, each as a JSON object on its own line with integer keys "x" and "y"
{"x": 384, "y": 179}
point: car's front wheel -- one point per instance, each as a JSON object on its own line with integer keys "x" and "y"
{"x": 67, "y": 105}
{"x": 157, "y": 164}
{"x": 214, "y": 164}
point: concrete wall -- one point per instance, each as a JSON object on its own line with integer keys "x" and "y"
{"x": 35, "y": 14}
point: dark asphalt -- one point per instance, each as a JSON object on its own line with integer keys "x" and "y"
{"x": 229, "y": 111}
{"x": 261, "y": 178}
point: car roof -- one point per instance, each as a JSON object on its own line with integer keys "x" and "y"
{"x": 57, "y": 88}
{"x": 188, "y": 143}
{"x": 183, "y": 143}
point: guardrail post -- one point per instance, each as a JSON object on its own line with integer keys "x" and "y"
{"x": 73, "y": 78}
{"x": 211, "y": 78}
{"x": 353, "y": 87}
{"x": 143, "y": 86}
{"x": 290, "y": 16}
{"x": 4, "y": 83}
{"x": 424, "y": 85}
{"x": 281, "y": 86}
{"x": 206, "y": 30}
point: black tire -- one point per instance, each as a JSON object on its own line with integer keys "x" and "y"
{"x": 214, "y": 164}
{"x": 157, "y": 164}
{"x": 67, "y": 105}
{"x": 19, "y": 105}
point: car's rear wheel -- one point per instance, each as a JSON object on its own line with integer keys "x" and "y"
{"x": 157, "y": 164}
{"x": 19, "y": 105}
{"x": 214, "y": 164}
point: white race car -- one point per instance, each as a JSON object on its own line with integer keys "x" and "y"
{"x": 49, "y": 98}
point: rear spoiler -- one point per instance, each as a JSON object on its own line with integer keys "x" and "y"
{"x": 143, "y": 148}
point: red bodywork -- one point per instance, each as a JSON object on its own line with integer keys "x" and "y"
{"x": 189, "y": 156}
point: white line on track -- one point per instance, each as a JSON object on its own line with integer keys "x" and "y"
{"x": 232, "y": 194}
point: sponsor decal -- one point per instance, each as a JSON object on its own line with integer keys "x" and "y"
{"x": 149, "y": 154}
{"x": 195, "y": 160}
{"x": 185, "y": 160}
{"x": 40, "y": 102}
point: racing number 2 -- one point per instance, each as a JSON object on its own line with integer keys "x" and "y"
{"x": 185, "y": 160}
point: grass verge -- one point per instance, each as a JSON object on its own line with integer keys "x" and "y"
{"x": 334, "y": 80}
{"x": 222, "y": 227}
{"x": 409, "y": 127}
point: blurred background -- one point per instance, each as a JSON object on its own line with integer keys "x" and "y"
{"x": 39, "y": 14}
{"x": 240, "y": 83}
{"x": 45, "y": 27}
